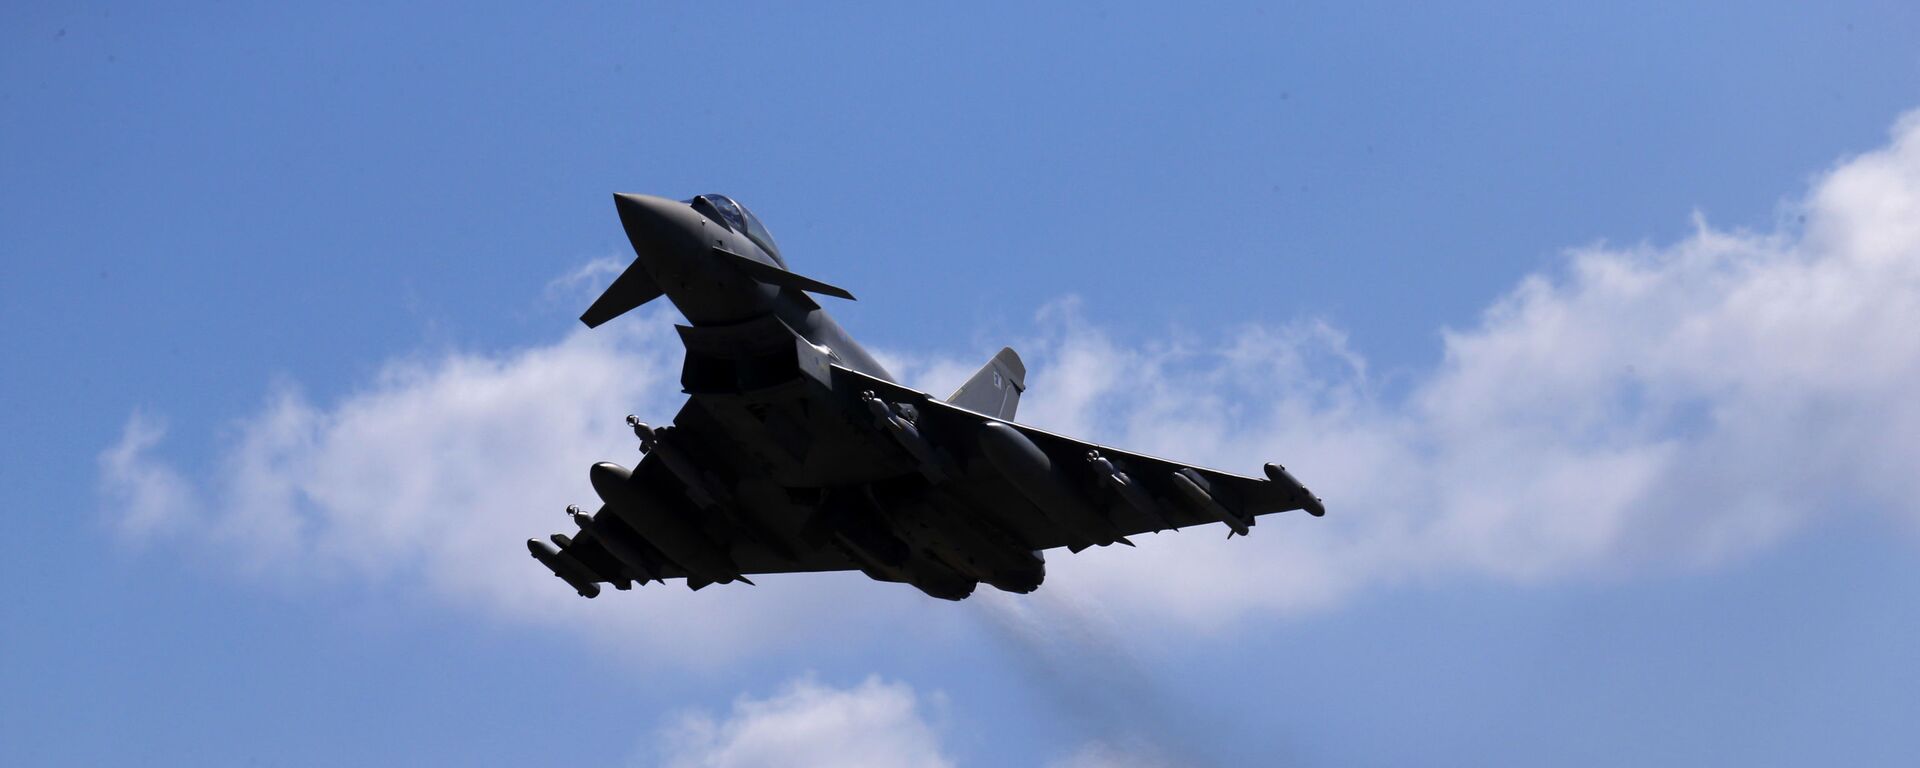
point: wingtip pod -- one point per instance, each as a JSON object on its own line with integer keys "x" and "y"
{"x": 1308, "y": 501}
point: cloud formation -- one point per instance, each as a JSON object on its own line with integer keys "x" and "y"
{"x": 874, "y": 723}
{"x": 1668, "y": 407}
{"x": 145, "y": 496}
{"x": 1649, "y": 407}
{"x": 810, "y": 724}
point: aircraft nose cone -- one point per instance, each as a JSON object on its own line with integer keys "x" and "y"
{"x": 659, "y": 229}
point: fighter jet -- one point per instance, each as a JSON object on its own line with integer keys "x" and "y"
{"x": 797, "y": 451}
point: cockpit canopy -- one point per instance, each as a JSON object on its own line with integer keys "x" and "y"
{"x": 734, "y": 216}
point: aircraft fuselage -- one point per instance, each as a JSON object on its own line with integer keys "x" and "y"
{"x": 797, "y": 451}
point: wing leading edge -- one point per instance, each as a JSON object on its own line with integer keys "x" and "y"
{"x": 1075, "y": 493}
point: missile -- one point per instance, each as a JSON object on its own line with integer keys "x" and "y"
{"x": 661, "y": 525}
{"x": 1126, "y": 489}
{"x": 592, "y": 574}
{"x": 1310, "y": 502}
{"x": 563, "y": 566}
{"x": 614, "y": 538}
{"x": 1193, "y": 486}
{"x": 1032, "y": 473}
{"x": 907, "y": 435}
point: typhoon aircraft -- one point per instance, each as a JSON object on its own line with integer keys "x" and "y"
{"x": 796, "y": 451}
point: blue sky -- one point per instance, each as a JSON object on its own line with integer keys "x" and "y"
{"x": 1592, "y": 326}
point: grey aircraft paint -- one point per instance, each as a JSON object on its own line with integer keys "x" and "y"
{"x": 796, "y": 451}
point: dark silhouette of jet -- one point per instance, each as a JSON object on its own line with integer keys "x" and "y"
{"x": 796, "y": 451}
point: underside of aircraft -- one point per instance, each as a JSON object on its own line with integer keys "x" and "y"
{"x": 796, "y": 451}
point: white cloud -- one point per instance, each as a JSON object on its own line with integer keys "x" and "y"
{"x": 875, "y": 723}
{"x": 433, "y": 475}
{"x": 1666, "y": 407}
{"x": 1652, "y": 406}
{"x": 590, "y": 278}
{"x": 1100, "y": 754}
{"x": 143, "y": 498}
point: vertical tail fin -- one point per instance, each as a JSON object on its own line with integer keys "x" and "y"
{"x": 995, "y": 390}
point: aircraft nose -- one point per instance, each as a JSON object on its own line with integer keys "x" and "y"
{"x": 660, "y": 230}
